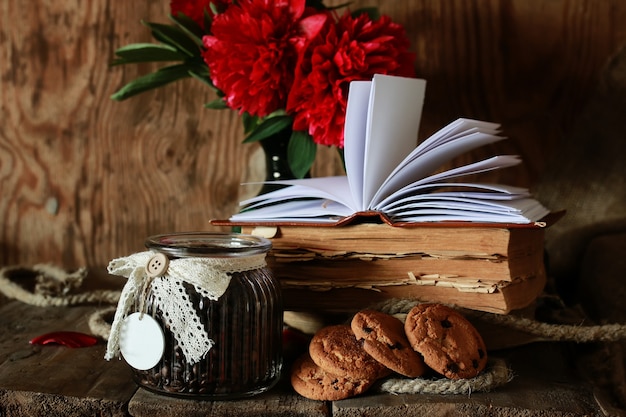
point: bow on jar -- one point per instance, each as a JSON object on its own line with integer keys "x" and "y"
{"x": 152, "y": 271}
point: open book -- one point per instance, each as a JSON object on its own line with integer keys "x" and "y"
{"x": 389, "y": 173}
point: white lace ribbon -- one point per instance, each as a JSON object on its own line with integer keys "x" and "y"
{"x": 209, "y": 276}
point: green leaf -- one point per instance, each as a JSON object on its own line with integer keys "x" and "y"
{"x": 147, "y": 52}
{"x": 150, "y": 81}
{"x": 174, "y": 36}
{"x": 279, "y": 112}
{"x": 208, "y": 20}
{"x": 202, "y": 74}
{"x": 217, "y": 104}
{"x": 190, "y": 27}
{"x": 269, "y": 127}
{"x": 249, "y": 122}
{"x": 301, "y": 153}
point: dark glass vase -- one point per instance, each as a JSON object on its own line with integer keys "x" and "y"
{"x": 276, "y": 163}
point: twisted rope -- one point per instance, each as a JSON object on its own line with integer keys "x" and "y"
{"x": 547, "y": 331}
{"x": 52, "y": 287}
{"x": 496, "y": 374}
{"x": 100, "y": 322}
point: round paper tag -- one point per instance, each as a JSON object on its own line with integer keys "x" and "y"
{"x": 141, "y": 341}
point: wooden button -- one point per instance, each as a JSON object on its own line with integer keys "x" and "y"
{"x": 157, "y": 265}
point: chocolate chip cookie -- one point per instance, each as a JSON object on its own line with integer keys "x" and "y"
{"x": 384, "y": 339}
{"x": 336, "y": 350}
{"x": 311, "y": 381}
{"x": 448, "y": 342}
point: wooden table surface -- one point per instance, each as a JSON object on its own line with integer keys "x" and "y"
{"x": 56, "y": 380}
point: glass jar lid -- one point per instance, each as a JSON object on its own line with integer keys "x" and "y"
{"x": 206, "y": 244}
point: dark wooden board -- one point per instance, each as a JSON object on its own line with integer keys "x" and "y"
{"x": 56, "y": 380}
{"x": 53, "y": 379}
{"x": 544, "y": 383}
{"x": 281, "y": 401}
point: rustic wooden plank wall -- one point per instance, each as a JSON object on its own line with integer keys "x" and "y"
{"x": 84, "y": 179}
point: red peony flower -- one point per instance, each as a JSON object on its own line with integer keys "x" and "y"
{"x": 276, "y": 57}
{"x": 195, "y": 9}
{"x": 352, "y": 49}
{"x": 252, "y": 53}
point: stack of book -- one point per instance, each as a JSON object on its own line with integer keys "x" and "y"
{"x": 489, "y": 267}
{"x": 397, "y": 225}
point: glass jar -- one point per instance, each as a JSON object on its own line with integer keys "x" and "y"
{"x": 245, "y": 324}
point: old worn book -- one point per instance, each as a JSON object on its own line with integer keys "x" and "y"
{"x": 489, "y": 267}
{"x": 365, "y": 234}
{"x": 502, "y": 299}
{"x": 387, "y": 172}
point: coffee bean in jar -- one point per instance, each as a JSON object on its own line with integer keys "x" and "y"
{"x": 220, "y": 311}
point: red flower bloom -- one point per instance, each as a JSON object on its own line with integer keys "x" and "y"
{"x": 252, "y": 53}
{"x": 195, "y": 9}
{"x": 352, "y": 49}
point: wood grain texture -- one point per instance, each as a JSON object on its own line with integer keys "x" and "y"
{"x": 60, "y": 380}
{"x": 84, "y": 179}
{"x": 281, "y": 401}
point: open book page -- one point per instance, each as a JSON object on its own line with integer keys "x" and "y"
{"x": 409, "y": 190}
{"x": 489, "y": 203}
{"x": 452, "y": 131}
{"x": 377, "y": 136}
{"x": 325, "y": 200}
{"x": 457, "y": 138}
{"x": 353, "y": 134}
{"x": 314, "y": 211}
{"x": 393, "y": 119}
{"x": 316, "y": 199}
{"x": 416, "y": 187}
{"x": 325, "y": 188}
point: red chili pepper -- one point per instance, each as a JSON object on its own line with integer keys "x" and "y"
{"x": 69, "y": 339}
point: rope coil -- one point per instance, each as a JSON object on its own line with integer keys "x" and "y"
{"x": 547, "y": 331}
{"x": 52, "y": 287}
{"x": 496, "y": 374}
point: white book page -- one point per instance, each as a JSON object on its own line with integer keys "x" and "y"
{"x": 395, "y": 109}
{"x": 453, "y": 203}
{"x": 325, "y": 188}
{"x": 514, "y": 211}
{"x": 463, "y": 216}
{"x": 486, "y": 165}
{"x": 453, "y": 130}
{"x": 318, "y": 211}
{"x": 425, "y": 164}
{"x": 487, "y": 198}
{"x": 416, "y": 191}
{"x": 354, "y": 137}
